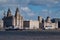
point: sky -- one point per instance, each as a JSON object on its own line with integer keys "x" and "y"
{"x": 31, "y": 9}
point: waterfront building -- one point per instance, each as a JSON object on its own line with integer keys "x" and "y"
{"x": 41, "y": 22}
{"x": 48, "y": 24}
{"x": 32, "y": 24}
{"x": 57, "y": 20}
{"x": 26, "y": 24}
{"x": 1, "y": 24}
{"x": 13, "y": 21}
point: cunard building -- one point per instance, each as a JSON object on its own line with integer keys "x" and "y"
{"x": 13, "y": 21}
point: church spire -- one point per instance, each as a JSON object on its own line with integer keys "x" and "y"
{"x": 9, "y": 13}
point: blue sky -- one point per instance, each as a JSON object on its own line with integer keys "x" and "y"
{"x": 31, "y": 9}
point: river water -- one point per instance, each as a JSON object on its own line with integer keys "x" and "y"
{"x": 16, "y": 35}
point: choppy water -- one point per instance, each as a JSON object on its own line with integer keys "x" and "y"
{"x": 15, "y": 35}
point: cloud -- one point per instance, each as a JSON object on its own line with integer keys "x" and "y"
{"x": 52, "y": 13}
{"x": 44, "y": 1}
{"x": 27, "y": 11}
{"x": 46, "y": 12}
{"x": 53, "y": 4}
{"x": 3, "y": 1}
{"x": 48, "y": 3}
{"x": 31, "y": 14}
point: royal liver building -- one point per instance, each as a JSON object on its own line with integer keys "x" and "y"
{"x": 11, "y": 21}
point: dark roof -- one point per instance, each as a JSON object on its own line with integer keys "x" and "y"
{"x": 53, "y": 20}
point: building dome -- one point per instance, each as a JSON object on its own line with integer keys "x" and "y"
{"x": 48, "y": 19}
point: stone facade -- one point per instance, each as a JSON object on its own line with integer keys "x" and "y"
{"x": 26, "y": 24}
{"x": 18, "y": 20}
{"x": 1, "y": 24}
{"x": 41, "y": 22}
{"x": 32, "y": 24}
{"x": 48, "y": 24}
{"x": 11, "y": 21}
